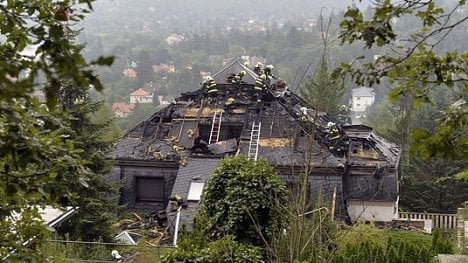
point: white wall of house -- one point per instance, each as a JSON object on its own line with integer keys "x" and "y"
{"x": 141, "y": 99}
{"x": 372, "y": 211}
{"x": 361, "y": 99}
{"x": 119, "y": 113}
{"x": 162, "y": 101}
{"x": 360, "y": 103}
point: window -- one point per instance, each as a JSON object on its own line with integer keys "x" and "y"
{"x": 149, "y": 189}
{"x": 195, "y": 191}
{"x": 358, "y": 98}
{"x": 358, "y": 105}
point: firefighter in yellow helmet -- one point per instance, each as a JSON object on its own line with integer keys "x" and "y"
{"x": 343, "y": 115}
{"x": 210, "y": 86}
{"x": 238, "y": 77}
{"x": 260, "y": 86}
{"x": 258, "y": 68}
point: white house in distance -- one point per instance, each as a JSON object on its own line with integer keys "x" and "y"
{"x": 141, "y": 96}
{"x": 362, "y": 98}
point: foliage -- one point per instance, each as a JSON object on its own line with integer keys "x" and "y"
{"x": 226, "y": 249}
{"x": 39, "y": 163}
{"x": 365, "y": 243}
{"x": 306, "y": 238}
{"x": 105, "y": 116}
{"x": 415, "y": 66}
{"x": 441, "y": 245}
{"x": 449, "y": 139}
{"x": 434, "y": 195}
{"x": 428, "y": 184}
{"x": 243, "y": 198}
{"x": 97, "y": 206}
{"x": 62, "y": 253}
{"x": 323, "y": 90}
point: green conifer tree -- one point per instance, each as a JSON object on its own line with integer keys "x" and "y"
{"x": 97, "y": 204}
{"x": 322, "y": 90}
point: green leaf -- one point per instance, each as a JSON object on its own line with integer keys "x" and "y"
{"x": 53, "y": 175}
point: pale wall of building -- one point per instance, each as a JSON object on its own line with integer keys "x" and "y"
{"x": 141, "y": 99}
{"x": 360, "y": 103}
{"x": 372, "y": 211}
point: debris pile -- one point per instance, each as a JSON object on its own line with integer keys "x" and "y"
{"x": 152, "y": 227}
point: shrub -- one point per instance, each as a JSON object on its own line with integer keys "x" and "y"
{"x": 243, "y": 199}
{"x": 223, "y": 250}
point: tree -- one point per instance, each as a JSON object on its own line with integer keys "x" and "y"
{"x": 105, "y": 116}
{"x": 427, "y": 185}
{"x": 243, "y": 199}
{"x": 145, "y": 67}
{"x": 412, "y": 63}
{"x": 323, "y": 91}
{"x": 97, "y": 206}
{"x": 39, "y": 163}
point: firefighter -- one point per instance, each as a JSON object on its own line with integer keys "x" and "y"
{"x": 269, "y": 74}
{"x": 343, "y": 114}
{"x": 238, "y": 77}
{"x": 210, "y": 86}
{"x": 333, "y": 134}
{"x": 200, "y": 145}
{"x": 304, "y": 114}
{"x": 258, "y": 68}
{"x": 269, "y": 71}
{"x": 260, "y": 86}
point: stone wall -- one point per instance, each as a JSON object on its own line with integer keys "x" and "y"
{"x": 462, "y": 228}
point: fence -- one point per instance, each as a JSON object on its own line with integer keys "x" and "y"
{"x": 444, "y": 221}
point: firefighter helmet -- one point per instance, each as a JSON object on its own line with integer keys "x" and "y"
{"x": 270, "y": 67}
{"x": 242, "y": 73}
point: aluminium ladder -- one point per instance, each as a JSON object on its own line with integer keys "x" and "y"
{"x": 254, "y": 137}
{"x": 215, "y": 127}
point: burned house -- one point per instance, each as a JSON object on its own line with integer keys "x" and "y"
{"x": 175, "y": 151}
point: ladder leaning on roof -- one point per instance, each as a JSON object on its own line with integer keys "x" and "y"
{"x": 215, "y": 127}
{"x": 254, "y": 137}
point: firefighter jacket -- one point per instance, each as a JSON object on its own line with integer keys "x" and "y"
{"x": 260, "y": 84}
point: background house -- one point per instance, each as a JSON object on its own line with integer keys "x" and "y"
{"x": 361, "y": 99}
{"x": 121, "y": 109}
{"x": 130, "y": 73}
{"x": 141, "y": 96}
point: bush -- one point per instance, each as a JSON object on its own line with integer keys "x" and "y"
{"x": 243, "y": 199}
{"x": 365, "y": 243}
{"x": 223, "y": 250}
